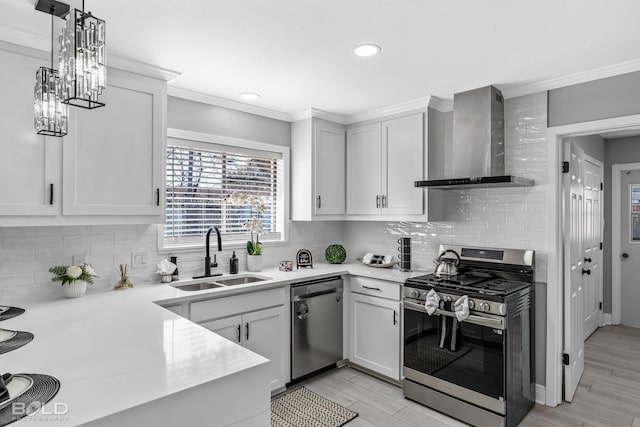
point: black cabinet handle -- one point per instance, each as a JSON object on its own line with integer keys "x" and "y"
{"x": 395, "y": 317}
{"x": 239, "y": 336}
{"x": 157, "y": 197}
{"x": 371, "y": 288}
{"x": 319, "y": 202}
{"x": 587, "y": 271}
{"x": 51, "y": 193}
{"x": 377, "y": 201}
{"x": 587, "y": 260}
{"x": 247, "y": 333}
{"x": 625, "y": 255}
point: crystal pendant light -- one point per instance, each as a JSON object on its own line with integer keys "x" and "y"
{"x": 83, "y": 65}
{"x": 50, "y": 113}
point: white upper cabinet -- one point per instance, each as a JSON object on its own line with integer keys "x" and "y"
{"x": 364, "y": 170}
{"x": 108, "y": 169}
{"x": 29, "y": 163}
{"x": 112, "y": 157}
{"x": 404, "y": 149}
{"x": 383, "y": 161}
{"x": 317, "y": 170}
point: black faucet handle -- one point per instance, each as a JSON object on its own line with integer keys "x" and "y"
{"x": 215, "y": 261}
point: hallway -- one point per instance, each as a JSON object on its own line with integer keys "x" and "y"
{"x": 609, "y": 391}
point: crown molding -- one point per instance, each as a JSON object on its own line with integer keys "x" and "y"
{"x": 403, "y": 107}
{"x": 573, "y": 79}
{"x": 42, "y": 44}
{"x": 319, "y": 114}
{"x": 226, "y": 103}
{"x": 442, "y": 105}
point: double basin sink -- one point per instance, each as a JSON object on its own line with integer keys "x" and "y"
{"x": 212, "y": 283}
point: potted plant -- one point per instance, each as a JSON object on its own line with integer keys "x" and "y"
{"x": 253, "y": 224}
{"x": 74, "y": 278}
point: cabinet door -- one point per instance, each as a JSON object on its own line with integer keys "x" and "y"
{"x": 329, "y": 168}
{"x": 228, "y": 327}
{"x": 375, "y": 334}
{"x": 29, "y": 163}
{"x": 403, "y": 165}
{"x": 364, "y": 170}
{"x": 263, "y": 333}
{"x": 112, "y": 157}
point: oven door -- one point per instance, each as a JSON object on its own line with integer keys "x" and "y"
{"x": 473, "y": 372}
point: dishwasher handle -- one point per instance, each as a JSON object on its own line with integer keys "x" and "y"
{"x": 317, "y": 294}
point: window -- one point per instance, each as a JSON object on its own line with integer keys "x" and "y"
{"x": 200, "y": 175}
{"x": 635, "y": 213}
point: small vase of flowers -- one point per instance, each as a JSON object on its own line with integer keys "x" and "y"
{"x": 253, "y": 224}
{"x": 74, "y": 278}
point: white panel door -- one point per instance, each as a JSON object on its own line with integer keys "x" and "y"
{"x": 263, "y": 333}
{"x": 364, "y": 170}
{"x": 375, "y": 334}
{"x": 573, "y": 272}
{"x": 329, "y": 168}
{"x": 403, "y": 164}
{"x": 228, "y": 327}
{"x": 113, "y": 155}
{"x": 630, "y": 248}
{"x": 593, "y": 179}
{"x": 30, "y": 163}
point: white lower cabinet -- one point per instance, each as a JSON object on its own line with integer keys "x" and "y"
{"x": 263, "y": 332}
{"x": 374, "y": 330}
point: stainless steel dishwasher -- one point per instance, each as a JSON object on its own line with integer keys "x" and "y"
{"x": 316, "y": 326}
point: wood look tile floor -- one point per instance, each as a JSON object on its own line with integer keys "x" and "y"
{"x": 608, "y": 394}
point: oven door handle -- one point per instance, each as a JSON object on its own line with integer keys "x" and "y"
{"x": 490, "y": 322}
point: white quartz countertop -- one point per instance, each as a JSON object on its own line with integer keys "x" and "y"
{"x": 116, "y": 350}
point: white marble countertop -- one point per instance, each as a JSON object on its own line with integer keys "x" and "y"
{"x": 118, "y": 349}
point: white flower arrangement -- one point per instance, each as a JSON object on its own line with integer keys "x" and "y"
{"x": 71, "y": 273}
{"x": 253, "y": 224}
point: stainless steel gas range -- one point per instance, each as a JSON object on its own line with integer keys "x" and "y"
{"x": 473, "y": 358}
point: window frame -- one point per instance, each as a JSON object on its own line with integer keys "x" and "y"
{"x": 199, "y": 139}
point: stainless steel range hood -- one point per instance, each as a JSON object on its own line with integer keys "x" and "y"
{"x": 478, "y": 143}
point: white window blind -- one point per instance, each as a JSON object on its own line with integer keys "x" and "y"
{"x": 199, "y": 179}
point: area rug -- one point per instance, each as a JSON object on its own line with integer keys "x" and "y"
{"x": 304, "y": 408}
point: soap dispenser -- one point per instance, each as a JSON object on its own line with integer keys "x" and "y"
{"x": 233, "y": 264}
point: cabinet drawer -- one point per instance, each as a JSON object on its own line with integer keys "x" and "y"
{"x": 375, "y": 287}
{"x": 228, "y": 306}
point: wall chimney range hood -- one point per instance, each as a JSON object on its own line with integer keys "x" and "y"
{"x": 478, "y": 143}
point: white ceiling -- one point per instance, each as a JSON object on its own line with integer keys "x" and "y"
{"x": 298, "y": 53}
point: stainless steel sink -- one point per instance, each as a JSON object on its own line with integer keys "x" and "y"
{"x": 241, "y": 280}
{"x": 198, "y": 286}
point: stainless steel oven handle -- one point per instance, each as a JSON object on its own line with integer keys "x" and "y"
{"x": 489, "y": 322}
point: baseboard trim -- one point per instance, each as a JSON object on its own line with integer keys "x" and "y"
{"x": 607, "y": 319}
{"x": 541, "y": 394}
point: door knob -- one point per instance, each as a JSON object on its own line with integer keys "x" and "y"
{"x": 586, "y": 271}
{"x": 625, "y": 255}
{"x": 587, "y": 260}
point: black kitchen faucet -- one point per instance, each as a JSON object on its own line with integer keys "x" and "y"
{"x": 207, "y": 258}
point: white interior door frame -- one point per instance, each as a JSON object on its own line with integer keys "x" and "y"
{"x": 555, "y": 282}
{"x": 616, "y": 241}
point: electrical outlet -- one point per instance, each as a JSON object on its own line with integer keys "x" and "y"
{"x": 79, "y": 259}
{"x": 139, "y": 259}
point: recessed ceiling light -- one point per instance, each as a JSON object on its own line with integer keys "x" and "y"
{"x": 249, "y": 96}
{"x": 366, "y": 49}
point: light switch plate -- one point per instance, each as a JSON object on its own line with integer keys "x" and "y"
{"x": 139, "y": 259}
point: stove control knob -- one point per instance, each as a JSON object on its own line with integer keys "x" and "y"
{"x": 502, "y": 310}
{"x": 414, "y": 294}
{"x": 472, "y": 304}
{"x": 447, "y": 298}
{"x": 484, "y": 306}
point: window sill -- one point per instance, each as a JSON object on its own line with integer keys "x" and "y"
{"x": 234, "y": 245}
